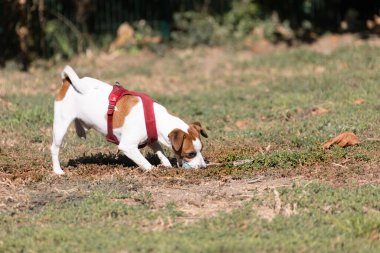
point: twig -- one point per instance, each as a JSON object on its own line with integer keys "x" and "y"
{"x": 255, "y": 180}
{"x": 277, "y": 202}
{"x": 373, "y": 139}
{"x": 66, "y": 191}
{"x": 241, "y": 162}
{"x": 215, "y": 164}
{"x": 339, "y": 165}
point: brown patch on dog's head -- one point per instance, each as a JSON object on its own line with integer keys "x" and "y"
{"x": 122, "y": 109}
{"x": 64, "y": 88}
{"x": 182, "y": 142}
{"x": 177, "y": 137}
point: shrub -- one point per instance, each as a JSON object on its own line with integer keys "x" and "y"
{"x": 57, "y": 39}
{"x": 194, "y": 28}
{"x": 242, "y": 17}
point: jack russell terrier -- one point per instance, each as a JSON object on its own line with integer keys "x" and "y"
{"x": 129, "y": 119}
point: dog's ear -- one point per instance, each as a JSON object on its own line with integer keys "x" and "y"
{"x": 176, "y": 137}
{"x": 199, "y": 128}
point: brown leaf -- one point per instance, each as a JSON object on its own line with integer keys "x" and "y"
{"x": 359, "y": 101}
{"x": 343, "y": 140}
{"x": 318, "y": 111}
{"x": 242, "y": 124}
{"x": 53, "y": 87}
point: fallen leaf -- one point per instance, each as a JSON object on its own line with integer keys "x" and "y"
{"x": 53, "y": 87}
{"x": 318, "y": 111}
{"x": 242, "y": 124}
{"x": 320, "y": 69}
{"x": 343, "y": 140}
{"x": 359, "y": 101}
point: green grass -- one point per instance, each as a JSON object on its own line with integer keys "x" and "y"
{"x": 329, "y": 217}
{"x": 278, "y": 107}
{"x": 327, "y": 220}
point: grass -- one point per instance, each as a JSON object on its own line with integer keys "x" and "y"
{"x": 327, "y": 219}
{"x": 103, "y": 204}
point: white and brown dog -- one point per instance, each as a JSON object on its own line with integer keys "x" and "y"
{"x": 85, "y": 101}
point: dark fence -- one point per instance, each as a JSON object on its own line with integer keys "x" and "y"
{"x": 104, "y": 16}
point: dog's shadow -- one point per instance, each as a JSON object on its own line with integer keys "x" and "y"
{"x": 114, "y": 159}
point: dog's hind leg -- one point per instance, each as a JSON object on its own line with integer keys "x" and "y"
{"x": 156, "y": 147}
{"x": 80, "y": 129}
{"x": 60, "y": 125}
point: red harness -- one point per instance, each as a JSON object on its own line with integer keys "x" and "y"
{"x": 150, "y": 120}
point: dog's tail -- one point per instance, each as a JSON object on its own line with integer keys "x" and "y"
{"x": 75, "y": 81}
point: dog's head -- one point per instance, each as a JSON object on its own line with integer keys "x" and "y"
{"x": 188, "y": 146}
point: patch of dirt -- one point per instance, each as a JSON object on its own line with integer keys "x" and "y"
{"x": 207, "y": 198}
{"x": 196, "y": 193}
{"x": 28, "y": 183}
{"x": 12, "y": 195}
{"x": 344, "y": 173}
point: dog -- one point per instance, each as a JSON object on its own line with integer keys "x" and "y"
{"x": 86, "y": 102}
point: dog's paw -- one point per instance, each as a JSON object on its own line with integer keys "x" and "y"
{"x": 58, "y": 171}
{"x": 147, "y": 168}
{"x": 166, "y": 164}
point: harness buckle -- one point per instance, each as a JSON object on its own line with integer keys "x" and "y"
{"x": 111, "y": 109}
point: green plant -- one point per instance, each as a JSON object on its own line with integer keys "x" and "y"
{"x": 194, "y": 28}
{"x": 58, "y": 39}
{"x": 242, "y": 17}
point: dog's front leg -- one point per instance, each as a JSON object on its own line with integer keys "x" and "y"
{"x": 134, "y": 154}
{"x": 156, "y": 147}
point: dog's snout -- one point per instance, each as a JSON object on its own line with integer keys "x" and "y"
{"x": 197, "y": 163}
{"x": 203, "y": 164}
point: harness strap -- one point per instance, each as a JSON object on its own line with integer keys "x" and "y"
{"x": 150, "y": 119}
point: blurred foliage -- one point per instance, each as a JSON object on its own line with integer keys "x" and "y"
{"x": 193, "y": 28}
{"x": 147, "y": 37}
{"x": 242, "y": 17}
{"x": 57, "y": 39}
{"x": 61, "y": 28}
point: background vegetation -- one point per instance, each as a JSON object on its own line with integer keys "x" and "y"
{"x": 30, "y": 29}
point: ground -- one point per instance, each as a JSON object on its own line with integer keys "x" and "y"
{"x": 270, "y": 185}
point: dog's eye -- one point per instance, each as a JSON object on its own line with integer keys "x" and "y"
{"x": 191, "y": 154}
